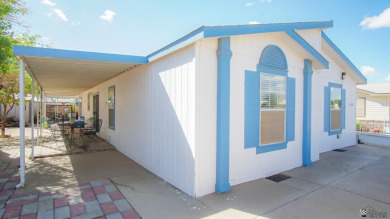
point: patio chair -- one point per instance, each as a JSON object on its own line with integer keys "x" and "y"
{"x": 90, "y": 133}
{"x": 55, "y": 132}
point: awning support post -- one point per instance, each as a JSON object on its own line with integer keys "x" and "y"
{"x": 32, "y": 119}
{"x": 22, "y": 123}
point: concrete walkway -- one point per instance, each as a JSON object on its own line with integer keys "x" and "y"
{"x": 337, "y": 186}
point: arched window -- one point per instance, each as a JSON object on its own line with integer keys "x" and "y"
{"x": 269, "y": 103}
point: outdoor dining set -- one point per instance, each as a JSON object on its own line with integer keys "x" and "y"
{"x": 73, "y": 129}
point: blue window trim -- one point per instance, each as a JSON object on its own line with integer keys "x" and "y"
{"x": 252, "y": 105}
{"x": 112, "y": 127}
{"x": 327, "y": 96}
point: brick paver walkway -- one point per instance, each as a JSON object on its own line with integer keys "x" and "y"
{"x": 96, "y": 199}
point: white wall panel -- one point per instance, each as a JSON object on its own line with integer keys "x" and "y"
{"x": 155, "y": 116}
{"x": 322, "y": 140}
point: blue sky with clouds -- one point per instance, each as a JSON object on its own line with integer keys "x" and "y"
{"x": 361, "y": 27}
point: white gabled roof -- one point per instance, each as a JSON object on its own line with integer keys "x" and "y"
{"x": 375, "y": 89}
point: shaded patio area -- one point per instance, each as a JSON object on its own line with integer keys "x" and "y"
{"x": 49, "y": 146}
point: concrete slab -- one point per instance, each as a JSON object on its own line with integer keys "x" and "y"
{"x": 55, "y": 173}
{"x": 322, "y": 172}
{"x": 368, "y": 184}
{"x": 251, "y": 199}
{"x": 255, "y": 197}
{"x": 301, "y": 184}
{"x": 327, "y": 202}
{"x": 381, "y": 166}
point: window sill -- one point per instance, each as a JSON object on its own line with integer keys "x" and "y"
{"x": 271, "y": 147}
{"x": 335, "y": 132}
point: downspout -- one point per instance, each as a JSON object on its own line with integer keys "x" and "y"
{"x": 307, "y": 91}
{"x": 223, "y": 115}
{"x": 22, "y": 123}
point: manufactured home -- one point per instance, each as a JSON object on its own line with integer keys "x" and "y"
{"x": 220, "y": 106}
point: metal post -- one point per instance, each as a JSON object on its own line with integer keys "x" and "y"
{"x": 32, "y": 119}
{"x": 41, "y": 111}
{"x": 22, "y": 123}
{"x": 38, "y": 108}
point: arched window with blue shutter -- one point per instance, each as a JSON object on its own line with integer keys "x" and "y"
{"x": 269, "y": 103}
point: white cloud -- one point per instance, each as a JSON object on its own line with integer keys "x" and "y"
{"x": 266, "y": 1}
{"x": 249, "y": 4}
{"x": 367, "y": 70}
{"x": 388, "y": 78}
{"x": 374, "y": 22}
{"x": 48, "y": 2}
{"x": 254, "y": 22}
{"x": 108, "y": 15}
{"x": 60, "y": 14}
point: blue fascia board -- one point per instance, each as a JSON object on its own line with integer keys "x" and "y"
{"x": 344, "y": 57}
{"x": 232, "y": 30}
{"x": 180, "y": 43}
{"x": 77, "y": 55}
{"x": 294, "y": 35}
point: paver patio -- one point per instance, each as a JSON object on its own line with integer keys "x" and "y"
{"x": 336, "y": 186}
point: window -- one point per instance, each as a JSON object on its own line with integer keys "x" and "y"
{"x": 269, "y": 103}
{"x": 89, "y": 102}
{"x": 361, "y": 107}
{"x": 273, "y": 108}
{"x": 334, "y": 108}
{"x": 111, "y": 107}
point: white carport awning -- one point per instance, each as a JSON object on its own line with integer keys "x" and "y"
{"x": 68, "y": 73}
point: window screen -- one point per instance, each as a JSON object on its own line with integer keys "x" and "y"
{"x": 273, "y": 108}
{"x": 335, "y": 108}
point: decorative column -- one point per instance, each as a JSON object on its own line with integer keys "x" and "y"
{"x": 306, "y": 141}
{"x": 223, "y": 114}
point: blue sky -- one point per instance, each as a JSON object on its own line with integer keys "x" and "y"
{"x": 361, "y": 27}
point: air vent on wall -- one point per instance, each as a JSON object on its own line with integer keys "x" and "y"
{"x": 278, "y": 177}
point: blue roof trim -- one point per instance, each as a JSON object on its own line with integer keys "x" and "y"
{"x": 180, "y": 43}
{"x": 232, "y": 30}
{"x": 308, "y": 47}
{"x": 341, "y": 54}
{"x": 77, "y": 55}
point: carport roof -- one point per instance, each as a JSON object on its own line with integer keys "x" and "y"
{"x": 68, "y": 73}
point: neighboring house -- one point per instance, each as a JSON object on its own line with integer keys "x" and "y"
{"x": 373, "y": 102}
{"x": 15, "y": 111}
{"x": 223, "y": 105}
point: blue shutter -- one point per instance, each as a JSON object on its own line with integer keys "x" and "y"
{"x": 326, "y": 108}
{"x": 343, "y": 104}
{"x": 290, "y": 114}
{"x": 252, "y": 109}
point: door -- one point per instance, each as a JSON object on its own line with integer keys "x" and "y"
{"x": 96, "y": 112}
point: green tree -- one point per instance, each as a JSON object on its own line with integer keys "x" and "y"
{"x": 10, "y": 11}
